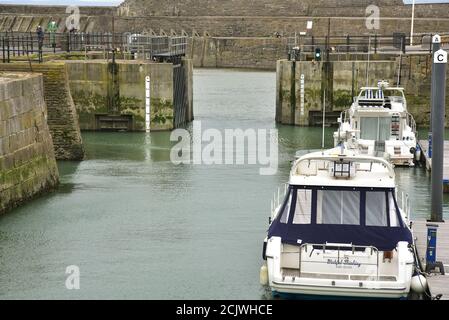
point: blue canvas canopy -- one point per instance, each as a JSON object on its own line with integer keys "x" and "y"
{"x": 358, "y": 216}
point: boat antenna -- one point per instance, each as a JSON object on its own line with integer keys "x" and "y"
{"x": 400, "y": 63}
{"x": 368, "y": 61}
{"x": 324, "y": 119}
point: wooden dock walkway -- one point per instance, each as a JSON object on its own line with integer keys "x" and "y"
{"x": 438, "y": 284}
{"x": 424, "y": 145}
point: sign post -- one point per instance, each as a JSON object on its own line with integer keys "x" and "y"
{"x": 438, "y": 119}
{"x": 436, "y": 45}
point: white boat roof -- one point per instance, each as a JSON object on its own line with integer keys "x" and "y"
{"x": 376, "y": 102}
{"x": 395, "y": 108}
{"x": 383, "y": 88}
{"x": 370, "y": 172}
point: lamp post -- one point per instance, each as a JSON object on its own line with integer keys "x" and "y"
{"x": 413, "y": 23}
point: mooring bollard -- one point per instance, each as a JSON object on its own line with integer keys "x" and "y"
{"x": 431, "y": 250}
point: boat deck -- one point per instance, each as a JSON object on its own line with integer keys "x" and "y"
{"x": 424, "y": 145}
{"x": 438, "y": 284}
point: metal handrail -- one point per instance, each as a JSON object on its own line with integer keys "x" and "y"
{"x": 411, "y": 122}
{"x": 355, "y": 44}
{"x": 22, "y": 43}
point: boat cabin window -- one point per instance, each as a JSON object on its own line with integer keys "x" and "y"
{"x": 303, "y": 209}
{"x": 338, "y": 207}
{"x": 376, "y": 208}
{"x": 375, "y": 128}
{"x": 394, "y": 95}
{"x": 302, "y": 212}
{"x": 373, "y": 94}
{"x": 286, "y": 211}
{"x": 380, "y": 210}
{"x": 392, "y": 211}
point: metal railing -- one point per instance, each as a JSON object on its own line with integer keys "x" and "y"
{"x": 405, "y": 205}
{"x": 177, "y": 45}
{"x": 14, "y": 45}
{"x": 278, "y": 198}
{"x": 348, "y": 44}
{"x": 411, "y": 122}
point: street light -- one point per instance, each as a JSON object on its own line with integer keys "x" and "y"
{"x": 413, "y": 22}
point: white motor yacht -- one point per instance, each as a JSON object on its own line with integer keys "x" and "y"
{"x": 378, "y": 122}
{"x": 339, "y": 231}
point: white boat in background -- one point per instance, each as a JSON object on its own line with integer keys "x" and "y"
{"x": 339, "y": 231}
{"x": 378, "y": 122}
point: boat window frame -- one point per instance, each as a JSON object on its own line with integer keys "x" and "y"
{"x": 292, "y": 190}
{"x": 285, "y": 202}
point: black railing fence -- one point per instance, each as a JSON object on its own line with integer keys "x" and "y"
{"x": 360, "y": 44}
{"x": 19, "y": 45}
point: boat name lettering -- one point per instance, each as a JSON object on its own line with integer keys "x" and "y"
{"x": 345, "y": 262}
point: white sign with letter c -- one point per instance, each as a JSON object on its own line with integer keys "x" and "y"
{"x": 440, "y": 56}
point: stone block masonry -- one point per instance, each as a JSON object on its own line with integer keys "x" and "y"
{"x": 416, "y": 78}
{"x": 25, "y": 18}
{"x": 236, "y": 52}
{"x": 107, "y": 100}
{"x": 261, "y": 18}
{"x": 62, "y": 117}
{"x": 235, "y": 18}
{"x": 27, "y": 160}
{"x": 238, "y": 33}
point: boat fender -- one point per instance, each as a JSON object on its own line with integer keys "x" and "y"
{"x": 419, "y": 284}
{"x": 412, "y": 150}
{"x": 418, "y": 153}
{"x": 264, "y": 275}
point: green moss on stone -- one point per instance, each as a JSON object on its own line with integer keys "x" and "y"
{"x": 342, "y": 99}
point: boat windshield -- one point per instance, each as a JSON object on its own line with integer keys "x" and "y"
{"x": 394, "y": 94}
{"x": 370, "y": 94}
{"x": 361, "y": 216}
{"x": 380, "y": 94}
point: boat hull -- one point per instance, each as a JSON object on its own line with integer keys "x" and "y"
{"x": 301, "y": 296}
{"x": 337, "y": 293}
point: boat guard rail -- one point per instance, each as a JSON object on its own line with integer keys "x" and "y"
{"x": 344, "y": 157}
{"x": 277, "y": 199}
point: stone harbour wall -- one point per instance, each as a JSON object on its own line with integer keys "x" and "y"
{"x": 240, "y": 18}
{"x": 234, "y": 18}
{"x": 26, "y": 18}
{"x": 62, "y": 117}
{"x": 236, "y": 52}
{"x": 99, "y": 92}
{"x": 349, "y": 8}
{"x": 27, "y": 160}
{"x": 416, "y": 78}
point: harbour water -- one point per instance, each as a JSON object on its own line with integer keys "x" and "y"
{"x": 139, "y": 227}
